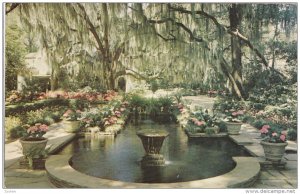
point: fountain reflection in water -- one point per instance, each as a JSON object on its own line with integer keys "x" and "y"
{"x": 152, "y": 140}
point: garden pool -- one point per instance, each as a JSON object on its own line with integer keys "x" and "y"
{"x": 119, "y": 158}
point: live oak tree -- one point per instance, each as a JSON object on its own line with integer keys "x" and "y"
{"x": 180, "y": 43}
{"x": 233, "y": 20}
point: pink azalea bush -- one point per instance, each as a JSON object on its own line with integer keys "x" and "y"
{"x": 36, "y": 132}
{"x": 272, "y": 134}
{"x": 106, "y": 116}
{"x": 195, "y": 125}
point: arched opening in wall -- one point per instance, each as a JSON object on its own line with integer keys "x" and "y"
{"x": 121, "y": 85}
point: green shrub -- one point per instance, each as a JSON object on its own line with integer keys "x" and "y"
{"x": 48, "y": 120}
{"x": 209, "y": 131}
{"x": 165, "y": 103}
{"x": 222, "y": 126}
{"x": 78, "y": 104}
{"x": 25, "y": 107}
{"x": 258, "y": 123}
{"x": 13, "y": 127}
{"x": 292, "y": 134}
{"x": 152, "y": 106}
{"x": 44, "y": 116}
{"x": 154, "y": 86}
{"x": 258, "y": 106}
{"x": 136, "y": 101}
{"x": 248, "y": 119}
{"x": 178, "y": 97}
{"x": 35, "y": 117}
{"x": 56, "y": 116}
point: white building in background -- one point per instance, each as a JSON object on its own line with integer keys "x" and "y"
{"x": 38, "y": 66}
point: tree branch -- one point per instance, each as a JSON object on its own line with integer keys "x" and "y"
{"x": 181, "y": 25}
{"x": 92, "y": 29}
{"x": 106, "y": 26}
{"x": 250, "y": 45}
{"x": 118, "y": 52}
{"x": 226, "y": 29}
{"x": 164, "y": 38}
{"x": 12, "y": 7}
{"x": 137, "y": 75}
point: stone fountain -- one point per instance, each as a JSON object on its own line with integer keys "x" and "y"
{"x": 152, "y": 140}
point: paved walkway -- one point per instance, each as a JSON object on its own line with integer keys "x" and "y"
{"x": 270, "y": 177}
{"x": 16, "y": 177}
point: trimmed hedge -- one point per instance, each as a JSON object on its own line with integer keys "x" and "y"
{"x": 14, "y": 110}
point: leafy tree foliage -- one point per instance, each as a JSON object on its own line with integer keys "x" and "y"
{"x": 177, "y": 43}
{"x": 14, "y": 56}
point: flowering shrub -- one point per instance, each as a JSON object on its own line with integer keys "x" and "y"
{"x": 234, "y": 116}
{"x": 183, "y": 114}
{"x": 72, "y": 115}
{"x": 90, "y": 96}
{"x": 199, "y": 120}
{"x": 92, "y": 117}
{"x": 272, "y": 134}
{"x": 118, "y": 110}
{"x": 105, "y": 116}
{"x": 15, "y": 96}
{"x": 36, "y": 132}
{"x": 225, "y": 104}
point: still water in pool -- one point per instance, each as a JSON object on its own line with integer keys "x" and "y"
{"x": 119, "y": 158}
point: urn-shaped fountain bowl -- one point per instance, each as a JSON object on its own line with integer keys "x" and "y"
{"x": 152, "y": 140}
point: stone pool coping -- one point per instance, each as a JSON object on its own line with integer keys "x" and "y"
{"x": 204, "y": 135}
{"x": 62, "y": 175}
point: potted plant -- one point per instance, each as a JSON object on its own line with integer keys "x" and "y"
{"x": 71, "y": 120}
{"x": 233, "y": 121}
{"x": 33, "y": 139}
{"x": 273, "y": 142}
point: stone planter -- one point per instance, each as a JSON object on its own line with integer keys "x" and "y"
{"x": 30, "y": 146}
{"x": 71, "y": 126}
{"x": 273, "y": 151}
{"x": 233, "y": 128}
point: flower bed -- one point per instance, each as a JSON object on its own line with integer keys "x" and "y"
{"x": 108, "y": 119}
{"x": 41, "y": 100}
{"x": 88, "y": 95}
{"x": 259, "y": 114}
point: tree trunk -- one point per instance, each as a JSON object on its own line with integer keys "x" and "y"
{"x": 235, "y": 17}
{"x": 232, "y": 81}
{"x": 111, "y": 82}
{"x": 53, "y": 81}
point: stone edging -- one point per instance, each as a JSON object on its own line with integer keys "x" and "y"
{"x": 62, "y": 175}
{"x": 204, "y": 135}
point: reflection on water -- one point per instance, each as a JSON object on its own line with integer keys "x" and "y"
{"x": 119, "y": 158}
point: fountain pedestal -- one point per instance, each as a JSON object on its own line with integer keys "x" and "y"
{"x": 152, "y": 140}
